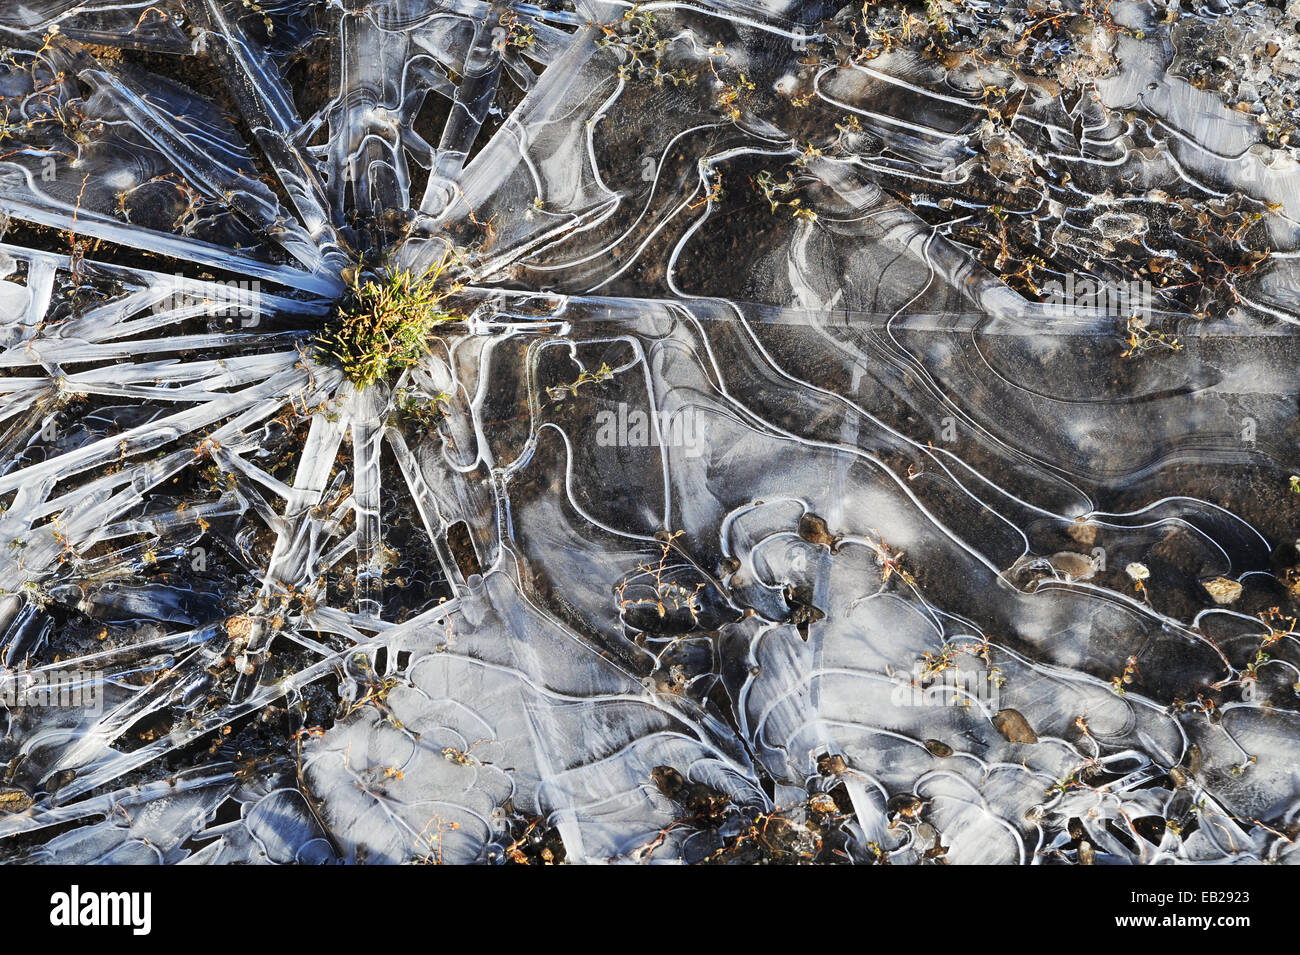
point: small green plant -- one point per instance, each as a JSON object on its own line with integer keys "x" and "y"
{"x": 603, "y": 373}
{"x": 514, "y": 32}
{"x": 1141, "y": 339}
{"x": 776, "y": 191}
{"x": 384, "y": 324}
{"x": 422, "y": 413}
{"x": 640, "y": 49}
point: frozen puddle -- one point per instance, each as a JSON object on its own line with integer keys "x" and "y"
{"x": 852, "y": 437}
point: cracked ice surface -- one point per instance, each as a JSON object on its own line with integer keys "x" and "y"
{"x": 789, "y": 490}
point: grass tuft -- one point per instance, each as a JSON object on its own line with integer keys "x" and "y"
{"x": 384, "y": 326}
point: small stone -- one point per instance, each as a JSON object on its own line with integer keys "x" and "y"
{"x": 1083, "y": 532}
{"x": 831, "y": 765}
{"x": 907, "y": 805}
{"x": 1137, "y": 572}
{"x": 823, "y": 803}
{"x": 815, "y": 530}
{"x": 14, "y": 800}
{"x": 1014, "y": 727}
{"x": 1073, "y": 566}
{"x": 937, "y": 748}
{"x": 1291, "y": 579}
{"x": 668, "y": 781}
{"x": 1222, "y": 589}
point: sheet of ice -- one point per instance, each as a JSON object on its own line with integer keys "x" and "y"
{"x": 869, "y": 437}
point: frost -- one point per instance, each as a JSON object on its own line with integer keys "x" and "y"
{"x": 855, "y": 434}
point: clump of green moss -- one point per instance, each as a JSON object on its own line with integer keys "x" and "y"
{"x": 384, "y": 325}
{"x": 421, "y": 413}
